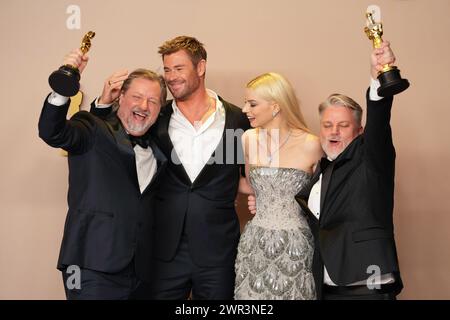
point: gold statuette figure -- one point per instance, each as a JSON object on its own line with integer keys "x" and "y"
{"x": 391, "y": 82}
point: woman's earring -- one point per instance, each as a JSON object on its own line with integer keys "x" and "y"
{"x": 274, "y": 113}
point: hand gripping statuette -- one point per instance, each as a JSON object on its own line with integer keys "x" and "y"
{"x": 66, "y": 80}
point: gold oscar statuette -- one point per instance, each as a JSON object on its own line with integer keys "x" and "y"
{"x": 66, "y": 80}
{"x": 391, "y": 83}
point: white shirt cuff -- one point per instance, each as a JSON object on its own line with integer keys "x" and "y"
{"x": 57, "y": 100}
{"x": 373, "y": 93}
{"x": 101, "y": 106}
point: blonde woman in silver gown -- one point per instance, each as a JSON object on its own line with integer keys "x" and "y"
{"x": 275, "y": 251}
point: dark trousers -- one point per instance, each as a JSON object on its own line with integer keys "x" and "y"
{"x": 177, "y": 279}
{"x": 96, "y": 285}
{"x": 385, "y": 292}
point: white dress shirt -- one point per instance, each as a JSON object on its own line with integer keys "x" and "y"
{"x": 146, "y": 164}
{"x": 314, "y": 206}
{"x": 194, "y": 144}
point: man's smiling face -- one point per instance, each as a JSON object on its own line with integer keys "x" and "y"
{"x": 139, "y": 106}
{"x": 338, "y": 128}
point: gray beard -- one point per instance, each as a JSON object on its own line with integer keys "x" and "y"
{"x": 138, "y": 128}
{"x": 334, "y": 156}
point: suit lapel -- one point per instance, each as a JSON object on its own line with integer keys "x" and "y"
{"x": 161, "y": 162}
{"x": 166, "y": 144}
{"x": 326, "y": 178}
{"x": 125, "y": 148}
{"x": 315, "y": 177}
{"x": 219, "y": 154}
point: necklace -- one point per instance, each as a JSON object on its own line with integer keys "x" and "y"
{"x": 198, "y": 123}
{"x": 271, "y": 154}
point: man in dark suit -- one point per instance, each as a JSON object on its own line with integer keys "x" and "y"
{"x": 196, "y": 226}
{"x": 113, "y": 172}
{"x": 350, "y": 199}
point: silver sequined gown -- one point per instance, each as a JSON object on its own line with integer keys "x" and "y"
{"x": 274, "y": 259}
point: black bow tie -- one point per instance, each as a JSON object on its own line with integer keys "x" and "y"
{"x": 324, "y": 162}
{"x": 141, "y": 141}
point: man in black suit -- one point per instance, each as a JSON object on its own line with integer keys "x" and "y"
{"x": 113, "y": 172}
{"x": 350, "y": 199}
{"x": 196, "y": 226}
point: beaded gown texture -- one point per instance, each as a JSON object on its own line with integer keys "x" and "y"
{"x": 275, "y": 251}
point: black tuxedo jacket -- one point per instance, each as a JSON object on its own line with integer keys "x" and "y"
{"x": 109, "y": 221}
{"x": 355, "y": 229}
{"x": 204, "y": 209}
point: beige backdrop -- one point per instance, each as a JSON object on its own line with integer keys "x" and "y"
{"x": 319, "y": 45}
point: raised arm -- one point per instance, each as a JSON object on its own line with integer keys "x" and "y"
{"x": 102, "y": 106}
{"x": 73, "y": 135}
{"x": 379, "y": 148}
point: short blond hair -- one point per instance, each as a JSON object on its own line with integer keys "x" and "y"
{"x": 337, "y": 99}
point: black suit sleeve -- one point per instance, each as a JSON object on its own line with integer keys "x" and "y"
{"x": 244, "y": 124}
{"x": 75, "y": 135}
{"x": 102, "y": 113}
{"x": 378, "y": 146}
